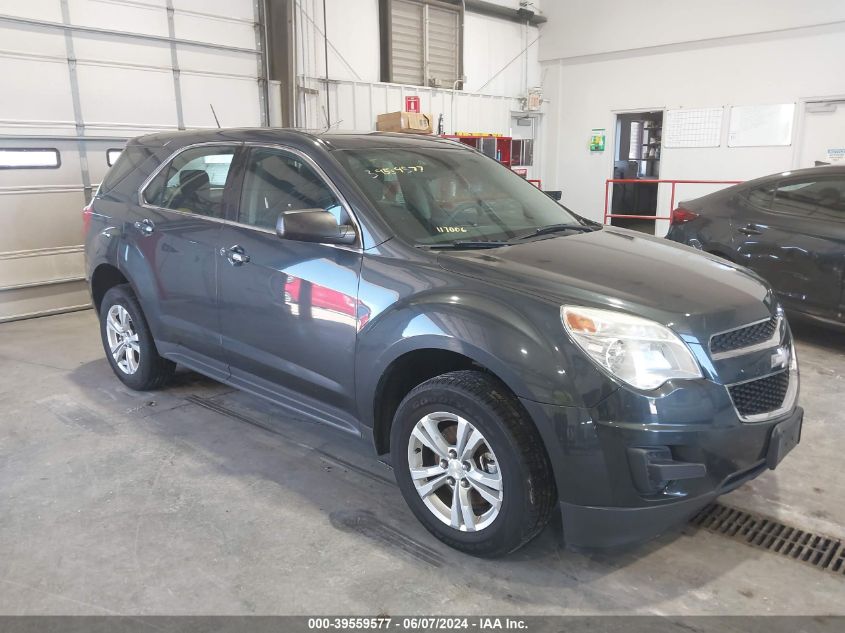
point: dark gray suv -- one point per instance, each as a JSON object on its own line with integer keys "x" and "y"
{"x": 507, "y": 357}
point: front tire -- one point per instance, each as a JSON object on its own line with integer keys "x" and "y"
{"x": 128, "y": 342}
{"x": 471, "y": 464}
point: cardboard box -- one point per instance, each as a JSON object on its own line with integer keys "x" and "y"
{"x": 409, "y": 122}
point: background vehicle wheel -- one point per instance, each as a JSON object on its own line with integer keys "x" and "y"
{"x": 128, "y": 343}
{"x": 471, "y": 465}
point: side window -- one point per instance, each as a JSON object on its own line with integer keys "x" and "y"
{"x": 275, "y": 182}
{"x": 818, "y": 198}
{"x": 193, "y": 182}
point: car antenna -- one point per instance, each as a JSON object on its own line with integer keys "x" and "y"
{"x": 215, "y": 115}
{"x": 328, "y": 121}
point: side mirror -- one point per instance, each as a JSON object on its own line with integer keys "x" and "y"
{"x": 313, "y": 225}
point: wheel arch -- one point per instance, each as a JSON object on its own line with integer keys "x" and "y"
{"x": 403, "y": 374}
{"x": 413, "y": 367}
{"x": 105, "y": 277}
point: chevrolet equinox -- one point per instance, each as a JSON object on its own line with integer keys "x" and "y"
{"x": 508, "y": 358}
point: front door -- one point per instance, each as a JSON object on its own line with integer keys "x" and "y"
{"x": 178, "y": 234}
{"x": 796, "y": 241}
{"x": 288, "y": 309}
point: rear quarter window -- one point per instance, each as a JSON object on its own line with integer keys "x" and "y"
{"x": 131, "y": 159}
{"x": 760, "y": 196}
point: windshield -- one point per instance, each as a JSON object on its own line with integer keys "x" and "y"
{"x": 437, "y": 196}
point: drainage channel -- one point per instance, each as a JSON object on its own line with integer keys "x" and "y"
{"x": 818, "y": 550}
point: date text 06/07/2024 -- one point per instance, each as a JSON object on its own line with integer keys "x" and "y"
{"x": 419, "y": 623}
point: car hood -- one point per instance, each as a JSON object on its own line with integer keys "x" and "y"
{"x": 692, "y": 292}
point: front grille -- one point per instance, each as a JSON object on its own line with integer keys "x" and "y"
{"x": 761, "y": 395}
{"x": 744, "y": 336}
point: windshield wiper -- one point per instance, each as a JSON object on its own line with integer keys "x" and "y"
{"x": 460, "y": 244}
{"x": 555, "y": 228}
{"x": 543, "y": 230}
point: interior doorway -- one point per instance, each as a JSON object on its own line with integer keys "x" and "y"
{"x": 822, "y": 133}
{"x": 637, "y": 157}
{"x": 523, "y": 130}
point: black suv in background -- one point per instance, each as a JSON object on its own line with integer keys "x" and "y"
{"x": 508, "y": 358}
{"x": 789, "y": 228}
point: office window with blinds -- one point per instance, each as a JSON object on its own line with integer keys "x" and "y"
{"x": 421, "y": 43}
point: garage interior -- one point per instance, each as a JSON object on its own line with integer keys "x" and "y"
{"x": 201, "y": 499}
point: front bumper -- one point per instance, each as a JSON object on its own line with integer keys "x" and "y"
{"x": 601, "y": 498}
{"x": 601, "y": 527}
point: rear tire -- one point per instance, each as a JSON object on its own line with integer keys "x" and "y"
{"x": 128, "y": 342}
{"x": 481, "y": 482}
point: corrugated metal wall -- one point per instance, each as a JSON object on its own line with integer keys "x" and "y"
{"x": 354, "y": 105}
{"x": 82, "y": 76}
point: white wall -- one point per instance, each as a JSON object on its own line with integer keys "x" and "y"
{"x": 601, "y": 57}
{"x": 489, "y": 45}
{"x": 353, "y": 33}
{"x": 588, "y": 27}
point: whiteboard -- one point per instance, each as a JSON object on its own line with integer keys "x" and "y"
{"x": 693, "y": 127}
{"x": 759, "y": 125}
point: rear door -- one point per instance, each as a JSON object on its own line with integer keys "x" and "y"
{"x": 289, "y": 310}
{"x": 796, "y": 241}
{"x": 178, "y": 232}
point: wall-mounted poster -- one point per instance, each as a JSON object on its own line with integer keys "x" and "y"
{"x": 836, "y": 154}
{"x": 597, "y": 139}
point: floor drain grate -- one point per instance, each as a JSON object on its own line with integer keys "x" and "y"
{"x": 820, "y": 551}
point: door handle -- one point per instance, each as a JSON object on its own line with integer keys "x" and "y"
{"x": 146, "y": 226}
{"x": 750, "y": 229}
{"x": 235, "y": 255}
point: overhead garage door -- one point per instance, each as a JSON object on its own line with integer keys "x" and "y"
{"x": 81, "y": 77}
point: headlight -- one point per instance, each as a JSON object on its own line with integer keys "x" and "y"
{"x": 640, "y": 352}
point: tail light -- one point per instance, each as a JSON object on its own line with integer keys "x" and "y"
{"x": 681, "y": 215}
{"x": 86, "y": 218}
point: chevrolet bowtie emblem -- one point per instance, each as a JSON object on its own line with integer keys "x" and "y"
{"x": 780, "y": 358}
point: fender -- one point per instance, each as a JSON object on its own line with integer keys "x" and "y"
{"x": 135, "y": 266}
{"x": 117, "y": 252}
{"x": 525, "y": 353}
{"x": 102, "y": 249}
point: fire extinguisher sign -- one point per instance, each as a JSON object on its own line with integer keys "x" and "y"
{"x": 412, "y": 104}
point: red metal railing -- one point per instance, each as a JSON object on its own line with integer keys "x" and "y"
{"x": 611, "y": 181}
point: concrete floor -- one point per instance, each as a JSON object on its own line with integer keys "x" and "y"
{"x": 113, "y": 501}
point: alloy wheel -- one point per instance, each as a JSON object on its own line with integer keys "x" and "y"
{"x": 455, "y": 471}
{"x": 123, "y": 339}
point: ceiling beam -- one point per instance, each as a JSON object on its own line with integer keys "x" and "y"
{"x": 498, "y": 11}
